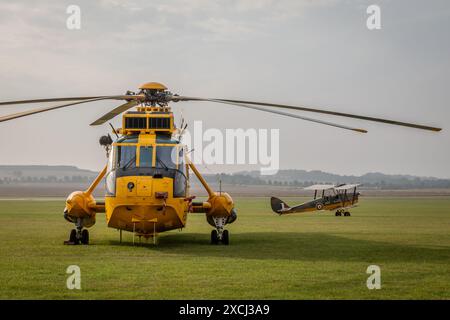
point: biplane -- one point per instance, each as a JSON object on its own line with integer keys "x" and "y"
{"x": 326, "y": 197}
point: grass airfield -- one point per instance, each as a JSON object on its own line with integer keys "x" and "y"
{"x": 301, "y": 256}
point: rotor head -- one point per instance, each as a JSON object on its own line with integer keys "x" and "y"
{"x": 155, "y": 94}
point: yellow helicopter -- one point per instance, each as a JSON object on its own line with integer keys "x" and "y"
{"x": 147, "y": 173}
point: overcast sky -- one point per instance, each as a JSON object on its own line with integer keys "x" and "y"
{"x": 314, "y": 53}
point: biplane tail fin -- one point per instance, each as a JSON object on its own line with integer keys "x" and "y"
{"x": 278, "y": 205}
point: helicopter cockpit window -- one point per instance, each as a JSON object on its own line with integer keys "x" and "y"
{"x": 126, "y": 157}
{"x": 166, "y": 157}
{"x": 146, "y": 157}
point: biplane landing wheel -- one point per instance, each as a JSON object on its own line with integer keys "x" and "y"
{"x": 214, "y": 237}
{"x": 226, "y": 237}
{"x": 84, "y": 237}
{"x": 73, "y": 236}
{"x": 338, "y": 214}
{"x": 347, "y": 214}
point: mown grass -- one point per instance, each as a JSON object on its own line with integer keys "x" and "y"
{"x": 309, "y": 256}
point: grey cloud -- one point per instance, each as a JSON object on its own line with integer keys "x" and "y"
{"x": 317, "y": 53}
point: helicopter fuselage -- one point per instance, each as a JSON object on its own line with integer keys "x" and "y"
{"x": 146, "y": 184}
{"x": 147, "y": 181}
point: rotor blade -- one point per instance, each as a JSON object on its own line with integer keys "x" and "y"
{"x": 332, "y": 124}
{"x": 114, "y": 112}
{"x": 34, "y": 111}
{"x": 276, "y": 112}
{"x": 117, "y": 97}
{"x": 341, "y": 114}
{"x": 48, "y": 100}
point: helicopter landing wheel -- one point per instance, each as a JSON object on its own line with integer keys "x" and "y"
{"x": 226, "y": 237}
{"x": 217, "y": 238}
{"x": 219, "y": 235}
{"x": 84, "y": 237}
{"x": 214, "y": 237}
{"x": 73, "y": 237}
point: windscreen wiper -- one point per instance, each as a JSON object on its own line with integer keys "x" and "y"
{"x": 163, "y": 164}
{"x": 125, "y": 167}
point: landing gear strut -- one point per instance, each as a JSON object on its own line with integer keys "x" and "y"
{"x": 220, "y": 235}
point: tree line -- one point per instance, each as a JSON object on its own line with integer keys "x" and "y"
{"x": 45, "y": 179}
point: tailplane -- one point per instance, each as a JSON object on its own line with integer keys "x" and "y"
{"x": 278, "y": 205}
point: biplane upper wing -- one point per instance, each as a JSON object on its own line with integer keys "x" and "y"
{"x": 347, "y": 187}
{"x": 320, "y": 187}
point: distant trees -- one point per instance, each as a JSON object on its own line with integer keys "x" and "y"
{"x": 386, "y": 182}
{"x": 18, "y": 179}
{"x": 378, "y": 181}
